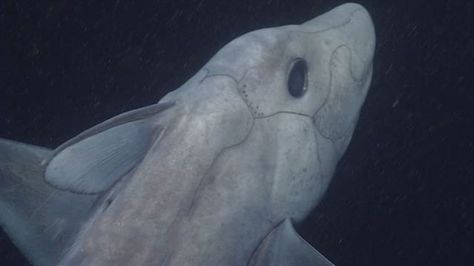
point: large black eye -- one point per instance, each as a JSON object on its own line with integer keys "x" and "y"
{"x": 297, "y": 80}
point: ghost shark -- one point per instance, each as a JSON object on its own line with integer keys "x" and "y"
{"x": 216, "y": 172}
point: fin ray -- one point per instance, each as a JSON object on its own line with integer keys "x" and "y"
{"x": 97, "y": 158}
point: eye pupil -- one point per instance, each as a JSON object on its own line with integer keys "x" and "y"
{"x": 297, "y": 78}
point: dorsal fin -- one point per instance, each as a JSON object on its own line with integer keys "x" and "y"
{"x": 95, "y": 159}
{"x": 285, "y": 247}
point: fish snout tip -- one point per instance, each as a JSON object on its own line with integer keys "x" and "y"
{"x": 349, "y": 25}
{"x": 351, "y": 18}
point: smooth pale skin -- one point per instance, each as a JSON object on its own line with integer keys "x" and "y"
{"x": 218, "y": 170}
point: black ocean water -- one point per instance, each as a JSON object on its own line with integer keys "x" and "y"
{"x": 403, "y": 194}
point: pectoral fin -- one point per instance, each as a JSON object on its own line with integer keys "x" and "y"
{"x": 285, "y": 247}
{"x": 95, "y": 159}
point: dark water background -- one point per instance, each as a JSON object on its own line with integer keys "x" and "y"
{"x": 403, "y": 193}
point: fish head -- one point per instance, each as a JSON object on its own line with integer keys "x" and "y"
{"x": 321, "y": 68}
{"x": 303, "y": 86}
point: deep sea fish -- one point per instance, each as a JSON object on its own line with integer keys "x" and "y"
{"x": 216, "y": 173}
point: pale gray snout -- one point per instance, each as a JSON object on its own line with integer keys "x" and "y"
{"x": 354, "y": 28}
